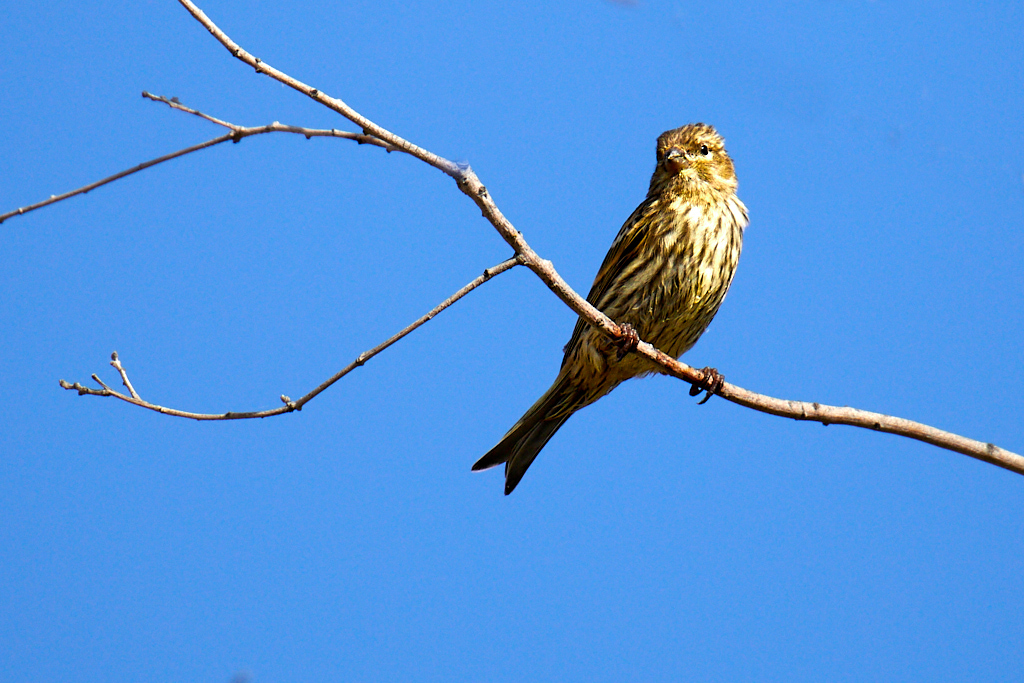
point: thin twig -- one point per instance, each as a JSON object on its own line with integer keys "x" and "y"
{"x": 471, "y": 185}
{"x": 367, "y": 355}
{"x": 289, "y": 405}
{"x": 275, "y": 127}
{"x": 175, "y": 103}
{"x": 117, "y": 176}
{"x": 124, "y": 375}
{"x": 237, "y": 134}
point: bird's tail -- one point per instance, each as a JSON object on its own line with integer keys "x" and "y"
{"x": 520, "y": 446}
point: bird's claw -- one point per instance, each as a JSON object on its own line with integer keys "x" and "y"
{"x": 627, "y": 342}
{"x": 712, "y": 384}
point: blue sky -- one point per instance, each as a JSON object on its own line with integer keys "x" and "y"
{"x": 879, "y": 150}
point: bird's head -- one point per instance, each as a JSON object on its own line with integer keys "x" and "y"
{"x": 693, "y": 159}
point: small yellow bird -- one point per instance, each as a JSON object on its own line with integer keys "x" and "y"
{"x": 665, "y": 276}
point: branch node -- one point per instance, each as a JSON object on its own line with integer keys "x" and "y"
{"x": 314, "y": 92}
{"x": 462, "y": 173}
{"x": 96, "y": 379}
{"x": 77, "y": 387}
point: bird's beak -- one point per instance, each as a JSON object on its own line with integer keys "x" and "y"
{"x": 675, "y": 160}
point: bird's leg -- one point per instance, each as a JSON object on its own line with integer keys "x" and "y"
{"x": 712, "y": 384}
{"x": 627, "y": 341}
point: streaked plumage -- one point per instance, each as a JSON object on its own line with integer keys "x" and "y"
{"x": 666, "y": 274}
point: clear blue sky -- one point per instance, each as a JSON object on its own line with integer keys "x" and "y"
{"x": 880, "y": 150}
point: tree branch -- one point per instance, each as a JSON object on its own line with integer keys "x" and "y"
{"x": 471, "y": 185}
{"x": 467, "y": 180}
{"x": 117, "y": 176}
{"x": 237, "y": 134}
{"x": 289, "y": 405}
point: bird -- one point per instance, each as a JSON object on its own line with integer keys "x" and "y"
{"x": 662, "y": 281}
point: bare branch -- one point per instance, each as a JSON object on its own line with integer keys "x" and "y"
{"x": 124, "y": 375}
{"x": 471, "y": 185}
{"x": 368, "y": 126}
{"x": 275, "y": 127}
{"x": 237, "y": 134}
{"x": 289, "y": 405}
{"x": 174, "y": 103}
{"x": 467, "y": 180}
{"x": 117, "y": 176}
{"x": 825, "y": 414}
{"x": 367, "y": 355}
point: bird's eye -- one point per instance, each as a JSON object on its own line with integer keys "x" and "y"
{"x": 704, "y": 151}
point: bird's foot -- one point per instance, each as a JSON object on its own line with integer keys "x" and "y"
{"x": 712, "y": 384}
{"x": 627, "y": 342}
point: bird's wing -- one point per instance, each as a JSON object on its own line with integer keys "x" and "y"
{"x": 628, "y": 243}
